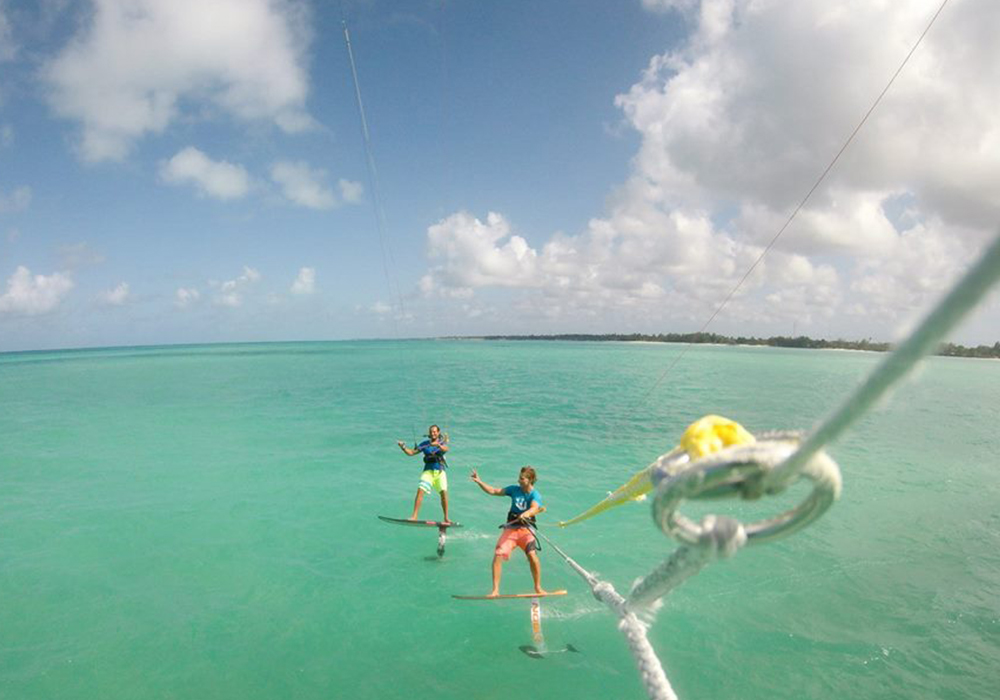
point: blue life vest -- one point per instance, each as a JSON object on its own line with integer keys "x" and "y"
{"x": 433, "y": 456}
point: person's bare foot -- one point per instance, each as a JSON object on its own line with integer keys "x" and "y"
{"x": 493, "y": 594}
{"x": 541, "y": 591}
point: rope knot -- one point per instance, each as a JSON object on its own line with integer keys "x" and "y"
{"x": 721, "y": 535}
{"x": 603, "y": 591}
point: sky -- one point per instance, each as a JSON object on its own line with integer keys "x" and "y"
{"x": 197, "y": 171}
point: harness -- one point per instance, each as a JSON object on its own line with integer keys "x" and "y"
{"x": 432, "y": 460}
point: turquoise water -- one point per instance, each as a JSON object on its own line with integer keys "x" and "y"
{"x": 199, "y": 522}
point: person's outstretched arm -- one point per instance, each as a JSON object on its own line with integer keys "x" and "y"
{"x": 491, "y": 490}
{"x": 408, "y": 450}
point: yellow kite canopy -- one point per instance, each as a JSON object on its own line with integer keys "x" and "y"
{"x": 703, "y": 437}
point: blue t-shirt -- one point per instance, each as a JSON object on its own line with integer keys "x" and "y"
{"x": 433, "y": 456}
{"x": 520, "y": 501}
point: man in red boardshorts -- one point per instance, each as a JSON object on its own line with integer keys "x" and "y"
{"x": 519, "y": 530}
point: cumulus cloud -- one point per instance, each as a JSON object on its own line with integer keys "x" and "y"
{"x": 31, "y": 295}
{"x": 232, "y": 292}
{"x": 186, "y": 296}
{"x": 117, "y": 296}
{"x": 781, "y": 87}
{"x": 305, "y": 282}
{"x": 138, "y": 64}
{"x": 735, "y": 125}
{"x": 480, "y": 253}
{"x": 18, "y": 200}
{"x": 218, "y": 179}
{"x": 303, "y": 185}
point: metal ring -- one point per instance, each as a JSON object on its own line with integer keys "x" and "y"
{"x": 739, "y": 472}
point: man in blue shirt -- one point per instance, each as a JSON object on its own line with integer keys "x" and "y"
{"x": 433, "y": 476}
{"x": 525, "y": 503}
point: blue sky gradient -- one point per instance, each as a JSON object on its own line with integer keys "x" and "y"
{"x": 186, "y": 171}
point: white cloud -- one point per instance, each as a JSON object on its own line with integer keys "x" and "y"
{"x": 18, "y": 200}
{"x": 472, "y": 256}
{"x": 305, "y": 282}
{"x": 303, "y": 185}
{"x": 32, "y": 295}
{"x": 117, "y": 296}
{"x": 138, "y": 63}
{"x": 384, "y": 312}
{"x": 781, "y": 87}
{"x": 218, "y": 179}
{"x": 735, "y": 126}
{"x": 621, "y": 262}
{"x": 232, "y": 292}
{"x": 667, "y": 5}
{"x": 186, "y": 296}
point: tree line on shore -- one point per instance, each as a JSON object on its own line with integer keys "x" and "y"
{"x": 779, "y": 341}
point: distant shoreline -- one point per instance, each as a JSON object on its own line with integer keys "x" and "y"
{"x": 988, "y": 352}
{"x": 946, "y": 349}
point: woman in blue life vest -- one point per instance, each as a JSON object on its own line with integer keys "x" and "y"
{"x": 433, "y": 475}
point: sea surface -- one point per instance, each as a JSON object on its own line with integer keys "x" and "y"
{"x": 198, "y": 522}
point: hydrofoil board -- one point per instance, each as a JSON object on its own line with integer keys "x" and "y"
{"x": 504, "y": 596}
{"x": 421, "y": 523}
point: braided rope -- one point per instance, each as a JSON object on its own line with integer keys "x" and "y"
{"x": 651, "y": 673}
{"x": 722, "y": 537}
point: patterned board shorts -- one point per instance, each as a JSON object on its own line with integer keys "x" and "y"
{"x": 433, "y": 479}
